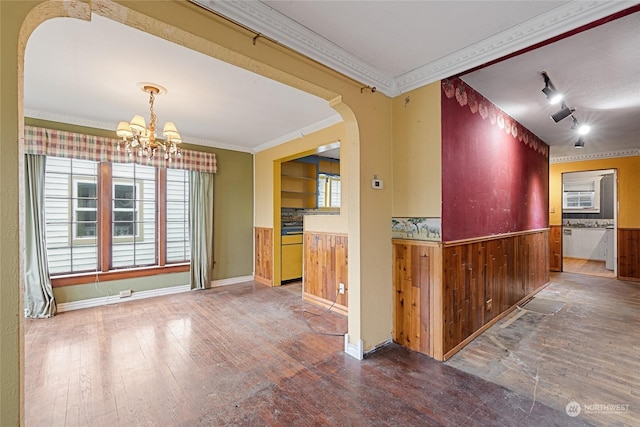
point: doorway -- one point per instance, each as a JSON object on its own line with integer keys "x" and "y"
{"x": 309, "y": 185}
{"x": 589, "y": 222}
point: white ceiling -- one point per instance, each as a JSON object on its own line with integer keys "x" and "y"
{"x": 395, "y": 46}
{"x": 86, "y": 73}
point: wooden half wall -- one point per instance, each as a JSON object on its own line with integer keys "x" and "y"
{"x": 447, "y": 294}
{"x": 325, "y": 267}
{"x": 264, "y": 255}
{"x": 629, "y": 254}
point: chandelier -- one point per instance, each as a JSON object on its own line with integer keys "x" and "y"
{"x": 140, "y": 140}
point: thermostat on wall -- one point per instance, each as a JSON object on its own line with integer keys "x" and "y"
{"x": 377, "y": 184}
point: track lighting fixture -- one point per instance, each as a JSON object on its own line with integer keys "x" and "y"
{"x": 554, "y": 97}
{"x": 551, "y": 93}
{"x": 563, "y": 113}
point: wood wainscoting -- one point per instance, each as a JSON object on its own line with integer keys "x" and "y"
{"x": 629, "y": 254}
{"x": 264, "y": 256}
{"x": 555, "y": 248}
{"x": 417, "y": 271}
{"x": 325, "y": 267}
{"x": 445, "y": 294}
{"x": 486, "y": 278}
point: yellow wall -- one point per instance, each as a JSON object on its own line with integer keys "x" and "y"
{"x": 264, "y": 172}
{"x": 367, "y": 135}
{"x": 628, "y": 185}
{"x": 417, "y": 153}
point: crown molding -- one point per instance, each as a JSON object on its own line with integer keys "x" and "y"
{"x": 555, "y": 22}
{"x": 631, "y": 152}
{"x": 264, "y": 20}
{"x": 330, "y": 121}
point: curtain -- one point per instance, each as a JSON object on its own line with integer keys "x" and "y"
{"x": 38, "y": 293}
{"x": 201, "y": 228}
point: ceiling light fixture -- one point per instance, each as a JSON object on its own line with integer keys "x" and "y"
{"x": 550, "y": 91}
{"x": 140, "y": 140}
{"x": 581, "y": 129}
{"x": 554, "y": 97}
{"x": 563, "y": 113}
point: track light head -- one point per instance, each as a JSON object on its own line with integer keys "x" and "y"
{"x": 549, "y": 90}
{"x": 562, "y": 114}
{"x": 579, "y": 143}
{"x": 580, "y": 129}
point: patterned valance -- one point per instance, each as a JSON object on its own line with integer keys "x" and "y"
{"x": 58, "y": 143}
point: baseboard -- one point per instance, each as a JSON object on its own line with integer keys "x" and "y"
{"x": 231, "y": 281}
{"x": 136, "y": 295}
{"x": 115, "y": 299}
{"x": 353, "y": 350}
{"x": 314, "y": 299}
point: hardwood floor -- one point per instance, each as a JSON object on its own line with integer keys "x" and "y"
{"x": 245, "y": 355}
{"x": 586, "y": 266}
{"x": 588, "y": 352}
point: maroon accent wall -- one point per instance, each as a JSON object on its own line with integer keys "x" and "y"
{"x": 495, "y": 172}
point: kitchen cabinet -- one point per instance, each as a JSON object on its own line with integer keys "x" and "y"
{"x": 298, "y": 185}
{"x": 329, "y": 167}
{"x": 609, "y": 259}
{"x": 584, "y": 243}
{"x": 291, "y": 257}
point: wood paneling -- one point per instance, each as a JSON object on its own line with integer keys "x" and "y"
{"x": 264, "y": 255}
{"x": 484, "y": 279}
{"x": 629, "y": 254}
{"x": 416, "y": 271}
{"x": 325, "y": 267}
{"x": 555, "y": 248}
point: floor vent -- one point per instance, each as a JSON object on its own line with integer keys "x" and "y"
{"x": 542, "y": 306}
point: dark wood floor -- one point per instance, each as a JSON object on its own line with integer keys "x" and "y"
{"x": 244, "y": 355}
{"x": 588, "y": 352}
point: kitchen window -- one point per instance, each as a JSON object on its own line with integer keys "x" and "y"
{"x": 581, "y": 196}
{"x": 329, "y": 191}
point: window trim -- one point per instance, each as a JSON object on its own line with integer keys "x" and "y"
{"x": 104, "y": 181}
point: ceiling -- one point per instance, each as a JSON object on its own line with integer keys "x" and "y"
{"x": 395, "y": 46}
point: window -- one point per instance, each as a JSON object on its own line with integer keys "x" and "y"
{"x": 81, "y": 197}
{"x": 178, "y": 248}
{"x": 329, "y": 191}
{"x": 581, "y": 196}
{"x": 133, "y": 216}
{"x": 71, "y": 215}
{"x": 85, "y": 211}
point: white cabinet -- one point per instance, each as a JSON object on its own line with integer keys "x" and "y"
{"x": 584, "y": 243}
{"x": 608, "y": 249}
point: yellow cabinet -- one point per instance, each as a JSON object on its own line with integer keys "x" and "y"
{"x": 291, "y": 257}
